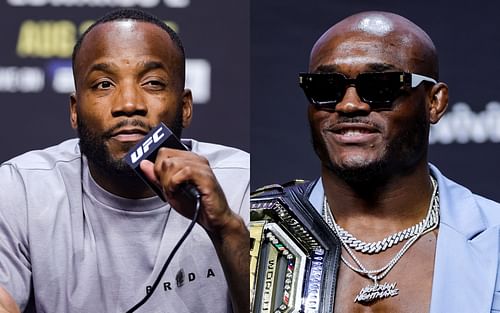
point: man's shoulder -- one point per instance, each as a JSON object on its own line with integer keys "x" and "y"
{"x": 45, "y": 159}
{"x": 462, "y": 207}
{"x": 490, "y": 208}
{"x": 221, "y": 157}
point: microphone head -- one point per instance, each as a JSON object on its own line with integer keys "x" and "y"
{"x": 147, "y": 149}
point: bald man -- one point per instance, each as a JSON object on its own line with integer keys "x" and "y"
{"x": 412, "y": 240}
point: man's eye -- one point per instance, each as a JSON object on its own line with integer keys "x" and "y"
{"x": 103, "y": 85}
{"x": 156, "y": 84}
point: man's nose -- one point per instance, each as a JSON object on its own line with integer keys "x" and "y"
{"x": 352, "y": 103}
{"x": 129, "y": 101}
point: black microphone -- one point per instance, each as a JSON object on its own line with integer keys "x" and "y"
{"x": 147, "y": 149}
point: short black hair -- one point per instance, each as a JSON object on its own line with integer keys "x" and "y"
{"x": 129, "y": 14}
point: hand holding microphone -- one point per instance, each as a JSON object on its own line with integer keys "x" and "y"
{"x": 178, "y": 176}
{"x": 147, "y": 149}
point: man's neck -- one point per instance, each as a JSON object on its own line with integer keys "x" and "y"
{"x": 374, "y": 212}
{"x": 131, "y": 187}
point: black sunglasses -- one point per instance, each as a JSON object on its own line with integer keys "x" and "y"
{"x": 378, "y": 89}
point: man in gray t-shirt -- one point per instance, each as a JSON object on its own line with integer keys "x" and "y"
{"x": 80, "y": 232}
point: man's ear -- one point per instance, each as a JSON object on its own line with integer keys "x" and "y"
{"x": 438, "y": 102}
{"x": 73, "y": 114}
{"x": 187, "y": 108}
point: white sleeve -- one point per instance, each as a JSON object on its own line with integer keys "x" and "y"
{"x": 235, "y": 183}
{"x": 15, "y": 262}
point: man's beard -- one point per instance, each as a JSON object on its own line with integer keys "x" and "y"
{"x": 94, "y": 147}
{"x": 399, "y": 157}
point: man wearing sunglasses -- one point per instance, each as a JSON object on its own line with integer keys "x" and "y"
{"x": 411, "y": 240}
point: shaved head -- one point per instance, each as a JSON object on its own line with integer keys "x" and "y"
{"x": 407, "y": 44}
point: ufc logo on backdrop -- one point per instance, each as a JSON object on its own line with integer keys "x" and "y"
{"x": 139, "y": 152}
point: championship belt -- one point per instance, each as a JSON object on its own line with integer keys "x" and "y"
{"x": 294, "y": 255}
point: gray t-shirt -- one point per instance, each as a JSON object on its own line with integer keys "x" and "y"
{"x": 67, "y": 245}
